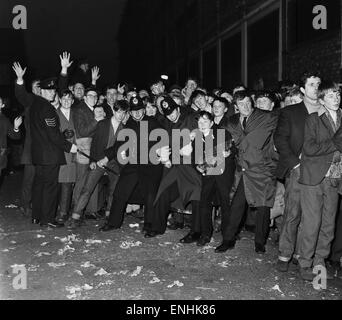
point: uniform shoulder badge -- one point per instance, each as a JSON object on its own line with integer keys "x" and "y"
{"x": 50, "y": 122}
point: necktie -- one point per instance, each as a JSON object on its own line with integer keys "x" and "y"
{"x": 244, "y": 122}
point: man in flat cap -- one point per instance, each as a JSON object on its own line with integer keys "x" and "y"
{"x": 48, "y": 147}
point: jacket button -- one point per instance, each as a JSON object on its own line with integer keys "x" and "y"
{"x": 243, "y": 169}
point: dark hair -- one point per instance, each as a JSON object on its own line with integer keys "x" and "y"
{"x": 326, "y": 86}
{"x": 122, "y": 105}
{"x": 196, "y": 94}
{"x": 148, "y": 99}
{"x": 175, "y": 87}
{"x": 205, "y": 114}
{"x": 192, "y": 79}
{"x": 265, "y": 94}
{"x": 109, "y": 87}
{"x": 221, "y": 100}
{"x": 65, "y": 92}
{"x": 239, "y": 85}
{"x": 307, "y": 75}
{"x": 294, "y": 91}
{"x": 240, "y": 95}
{"x": 35, "y": 80}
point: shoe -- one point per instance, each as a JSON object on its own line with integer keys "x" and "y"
{"x": 260, "y": 248}
{"x": 224, "y": 246}
{"x": 138, "y": 214}
{"x": 282, "y": 266}
{"x": 35, "y": 221}
{"x": 90, "y": 216}
{"x": 75, "y": 223}
{"x": 151, "y": 234}
{"x": 203, "y": 241}
{"x": 147, "y": 227}
{"x": 306, "y": 274}
{"x": 106, "y": 228}
{"x": 190, "y": 237}
{"x": 176, "y": 225}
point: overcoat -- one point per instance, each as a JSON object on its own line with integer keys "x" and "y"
{"x": 188, "y": 180}
{"x": 67, "y": 172}
{"x": 256, "y": 156}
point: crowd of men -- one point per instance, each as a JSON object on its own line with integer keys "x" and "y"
{"x": 184, "y": 148}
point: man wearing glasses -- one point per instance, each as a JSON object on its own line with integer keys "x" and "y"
{"x": 85, "y": 124}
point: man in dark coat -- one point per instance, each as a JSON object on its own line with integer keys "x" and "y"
{"x": 288, "y": 139}
{"x": 252, "y": 131}
{"x": 181, "y": 183}
{"x": 26, "y": 158}
{"x": 320, "y": 176}
{"x": 139, "y": 178}
{"x": 48, "y": 146}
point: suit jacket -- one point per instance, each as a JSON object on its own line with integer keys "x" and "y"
{"x": 84, "y": 121}
{"x": 100, "y": 139}
{"x": 318, "y": 148}
{"x": 67, "y": 173}
{"x": 289, "y": 137}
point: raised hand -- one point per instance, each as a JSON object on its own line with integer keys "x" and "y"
{"x": 65, "y": 61}
{"x": 17, "y": 122}
{"x": 95, "y": 75}
{"x": 19, "y": 71}
{"x": 121, "y": 89}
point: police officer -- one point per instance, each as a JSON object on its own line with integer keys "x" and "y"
{"x": 48, "y": 147}
{"x": 139, "y": 179}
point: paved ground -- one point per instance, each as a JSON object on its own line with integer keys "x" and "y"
{"x": 122, "y": 264}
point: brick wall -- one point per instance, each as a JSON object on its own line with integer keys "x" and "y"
{"x": 324, "y": 53}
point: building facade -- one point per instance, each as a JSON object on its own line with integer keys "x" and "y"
{"x": 225, "y": 42}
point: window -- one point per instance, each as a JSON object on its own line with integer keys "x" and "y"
{"x": 210, "y": 68}
{"x": 231, "y": 61}
{"x": 194, "y": 67}
{"x": 263, "y": 44}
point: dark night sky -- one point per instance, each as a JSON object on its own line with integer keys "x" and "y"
{"x": 85, "y": 28}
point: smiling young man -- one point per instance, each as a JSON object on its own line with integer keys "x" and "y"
{"x": 85, "y": 124}
{"x": 212, "y": 184}
{"x": 320, "y": 176}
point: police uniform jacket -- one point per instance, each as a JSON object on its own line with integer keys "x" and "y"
{"x": 48, "y": 143}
